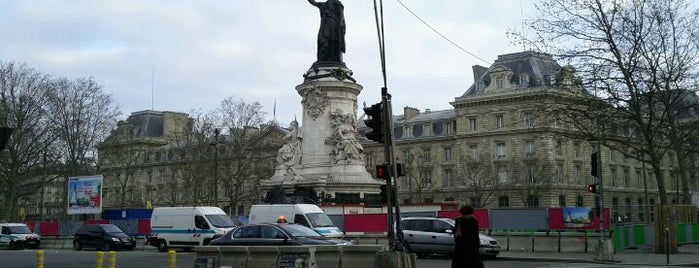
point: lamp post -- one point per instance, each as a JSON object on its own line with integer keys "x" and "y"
{"x": 215, "y": 144}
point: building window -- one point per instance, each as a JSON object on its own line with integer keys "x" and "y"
{"x": 626, "y": 178}
{"x": 425, "y": 156}
{"x": 612, "y": 172}
{"x": 532, "y": 201}
{"x": 407, "y": 132}
{"x": 499, "y": 83}
{"x": 448, "y": 128}
{"x": 472, "y": 124}
{"x": 639, "y": 181}
{"x": 576, "y": 150}
{"x": 447, "y": 154}
{"x": 426, "y": 179}
{"x": 562, "y": 201}
{"x": 448, "y": 178}
{"x": 640, "y": 210}
{"x": 528, "y": 120}
{"x": 531, "y": 174}
{"x": 473, "y": 175}
{"x": 559, "y": 173}
{"x": 580, "y": 202}
{"x": 499, "y": 121}
{"x": 578, "y": 174}
{"x": 529, "y": 146}
{"x": 523, "y": 80}
{"x": 473, "y": 152}
{"x": 501, "y": 150}
{"x": 427, "y": 130}
{"x": 502, "y": 174}
{"x": 559, "y": 147}
{"x": 503, "y": 201}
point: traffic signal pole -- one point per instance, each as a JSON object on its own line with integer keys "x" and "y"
{"x": 389, "y": 155}
{"x": 386, "y": 128}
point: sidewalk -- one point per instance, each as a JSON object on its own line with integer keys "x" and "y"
{"x": 687, "y": 256}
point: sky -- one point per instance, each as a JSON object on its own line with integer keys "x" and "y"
{"x": 184, "y": 56}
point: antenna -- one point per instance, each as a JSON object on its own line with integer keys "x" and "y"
{"x": 521, "y": 17}
{"x": 152, "y": 89}
{"x": 274, "y": 110}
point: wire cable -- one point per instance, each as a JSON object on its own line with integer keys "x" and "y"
{"x": 440, "y": 34}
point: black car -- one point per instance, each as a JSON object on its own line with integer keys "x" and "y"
{"x": 275, "y": 234}
{"x": 103, "y": 237}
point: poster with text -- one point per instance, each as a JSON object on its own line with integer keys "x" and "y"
{"x": 85, "y": 195}
{"x": 577, "y": 217}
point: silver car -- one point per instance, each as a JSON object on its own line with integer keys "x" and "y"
{"x": 424, "y": 236}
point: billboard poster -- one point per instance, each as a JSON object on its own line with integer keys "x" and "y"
{"x": 85, "y": 195}
{"x": 577, "y": 217}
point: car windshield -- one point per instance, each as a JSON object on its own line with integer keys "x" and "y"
{"x": 111, "y": 229}
{"x": 220, "y": 221}
{"x": 20, "y": 230}
{"x": 299, "y": 230}
{"x": 320, "y": 220}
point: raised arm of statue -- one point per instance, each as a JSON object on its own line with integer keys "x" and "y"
{"x": 314, "y": 3}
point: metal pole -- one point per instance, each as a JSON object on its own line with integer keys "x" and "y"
{"x": 601, "y": 189}
{"x": 387, "y": 159}
{"x": 388, "y": 130}
{"x": 216, "y": 132}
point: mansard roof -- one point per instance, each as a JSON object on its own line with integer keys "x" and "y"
{"x": 146, "y": 123}
{"x": 539, "y": 70}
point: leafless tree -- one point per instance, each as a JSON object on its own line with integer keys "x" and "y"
{"x": 82, "y": 115}
{"x": 631, "y": 56}
{"x": 23, "y": 97}
{"x": 480, "y": 179}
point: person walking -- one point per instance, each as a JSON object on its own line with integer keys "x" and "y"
{"x": 466, "y": 240}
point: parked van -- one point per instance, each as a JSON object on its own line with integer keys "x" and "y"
{"x": 187, "y": 227}
{"x": 305, "y": 214}
{"x": 18, "y": 236}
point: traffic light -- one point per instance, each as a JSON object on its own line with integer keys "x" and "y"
{"x": 382, "y": 172}
{"x": 374, "y": 122}
{"x": 593, "y": 164}
{"x": 5, "y": 136}
{"x": 400, "y": 169}
{"x": 382, "y": 196}
{"x": 592, "y": 188}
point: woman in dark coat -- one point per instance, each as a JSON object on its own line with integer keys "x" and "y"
{"x": 466, "y": 240}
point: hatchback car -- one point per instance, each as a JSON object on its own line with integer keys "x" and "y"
{"x": 103, "y": 237}
{"x": 18, "y": 236}
{"x": 275, "y": 234}
{"x": 424, "y": 235}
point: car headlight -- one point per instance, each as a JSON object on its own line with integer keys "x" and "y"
{"x": 115, "y": 239}
{"x": 484, "y": 242}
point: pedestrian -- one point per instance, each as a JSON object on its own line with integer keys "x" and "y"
{"x": 466, "y": 240}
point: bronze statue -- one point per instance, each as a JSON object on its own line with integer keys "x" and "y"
{"x": 331, "y": 35}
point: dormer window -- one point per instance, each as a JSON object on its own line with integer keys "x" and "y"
{"x": 427, "y": 129}
{"x": 523, "y": 80}
{"x": 407, "y": 131}
{"x": 499, "y": 83}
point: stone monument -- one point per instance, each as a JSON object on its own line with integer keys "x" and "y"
{"x": 324, "y": 154}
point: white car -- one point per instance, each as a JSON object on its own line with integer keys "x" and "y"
{"x": 425, "y": 235}
{"x": 18, "y": 236}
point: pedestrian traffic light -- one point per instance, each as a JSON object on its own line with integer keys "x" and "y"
{"x": 374, "y": 122}
{"x": 382, "y": 171}
{"x": 593, "y": 164}
{"x": 592, "y": 188}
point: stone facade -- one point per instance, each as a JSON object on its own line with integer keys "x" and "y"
{"x": 498, "y": 148}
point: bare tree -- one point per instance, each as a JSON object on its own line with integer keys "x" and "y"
{"x": 630, "y": 55}
{"x": 22, "y": 106}
{"x": 82, "y": 115}
{"x": 417, "y": 183}
{"x": 480, "y": 179}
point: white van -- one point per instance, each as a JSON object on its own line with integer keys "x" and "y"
{"x": 18, "y": 236}
{"x": 305, "y": 214}
{"x": 187, "y": 227}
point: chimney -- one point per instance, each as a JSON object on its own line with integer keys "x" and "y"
{"x": 410, "y": 112}
{"x": 478, "y": 71}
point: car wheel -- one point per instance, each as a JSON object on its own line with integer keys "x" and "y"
{"x": 105, "y": 247}
{"x": 162, "y": 246}
{"x": 77, "y": 246}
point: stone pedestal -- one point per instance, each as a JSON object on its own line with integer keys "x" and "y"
{"x": 332, "y": 160}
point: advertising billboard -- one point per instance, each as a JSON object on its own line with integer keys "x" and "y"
{"x": 577, "y": 217}
{"x": 85, "y": 195}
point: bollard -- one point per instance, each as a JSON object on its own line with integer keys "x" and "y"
{"x": 39, "y": 259}
{"x": 100, "y": 259}
{"x": 111, "y": 263}
{"x": 171, "y": 259}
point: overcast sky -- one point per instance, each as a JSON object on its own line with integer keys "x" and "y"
{"x": 189, "y": 55}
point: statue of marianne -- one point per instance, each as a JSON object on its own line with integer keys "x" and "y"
{"x": 331, "y": 35}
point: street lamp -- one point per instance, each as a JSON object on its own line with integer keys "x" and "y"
{"x": 215, "y": 144}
